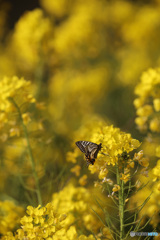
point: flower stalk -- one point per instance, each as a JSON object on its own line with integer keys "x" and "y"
{"x": 121, "y": 202}
{"x": 38, "y": 192}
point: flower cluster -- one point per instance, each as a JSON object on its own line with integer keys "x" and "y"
{"x": 31, "y": 36}
{"x": 156, "y": 171}
{"x": 148, "y": 101}
{"x": 78, "y": 204}
{"x": 16, "y": 99}
{"x": 17, "y": 89}
{"x": 10, "y": 215}
{"x": 45, "y": 223}
{"x": 124, "y": 19}
{"x": 116, "y": 145}
{"x": 15, "y": 95}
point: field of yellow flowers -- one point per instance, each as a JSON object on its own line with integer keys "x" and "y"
{"x": 84, "y": 72}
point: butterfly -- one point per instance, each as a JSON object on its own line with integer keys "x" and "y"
{"x": 90, "y": 149}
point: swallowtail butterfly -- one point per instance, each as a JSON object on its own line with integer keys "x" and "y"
{"x": 90, "y": 149}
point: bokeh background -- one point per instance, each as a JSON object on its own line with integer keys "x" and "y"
{"x": 120, "y": 39}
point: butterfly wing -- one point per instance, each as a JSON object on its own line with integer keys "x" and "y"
{"x": 90, "y": 149}
{"x": 83, "y": 145}
{"x": 95, "y": 150}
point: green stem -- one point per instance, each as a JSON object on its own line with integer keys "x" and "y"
{"x": 30, "y": 153}
{"x": 121, "y": 203}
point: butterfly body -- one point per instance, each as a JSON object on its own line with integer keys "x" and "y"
{"x": 90, "y": 149}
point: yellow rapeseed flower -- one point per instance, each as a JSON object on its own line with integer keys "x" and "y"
{"x": 148, "y": 101}
{"x": 156, "y": 170}
{"x": 144, "y": 162}
{"x": 83, "y": 180}
{"x": 15, "y": 131}
{"x": 15, "y": 98}
{"x": 145, "y": 111}
{"x": 154, "y": 125}
{"x": 16, "y": 88}
{"x": 71, "y": 156}
{"x": 54, "y": 226}
{"x": 77, "y": 201}
{"x": 139, "y": 155}
{"x": 156, "y": 104}
{"x": 31, "y": 38}
{"x": 116, "y": 188}
{"x": 125, "y": 177}
{"x": 26, "y": 118}
{"x": 141, "y": 122}
{"x": 10, "y": 215}
{"x": 116, "y": 145}
{"x": 76, "y": 170}
{"x": 58, "y": 8}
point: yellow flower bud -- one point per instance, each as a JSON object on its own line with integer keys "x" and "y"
{"x": 116, "y": 188}
{"x": 130, "y": 164}
{"x": 71, "y": 156}
{"x": 97, "y": 184}
{"x": 156, "y": 104}
{"x": 103, "y": 173}
{"x": 26, "y": 118}
{"x": 139, "y": 155}
{"x": 135, "y": 143}
{"x": 14, "y": 132}
{"x": 76, "y": 170}
{"x": 140, "y": 121}
{"x": 144, "y": 162}
{"x": 125, "y": 177}
{"x": 156, "y": 169}
{"x": 146, "y": 111}
{"x": 155, "y": 125}
{"x": 83, "y": 180}
{"x": 138, "y": 102}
